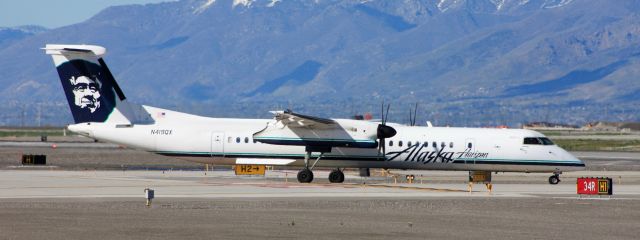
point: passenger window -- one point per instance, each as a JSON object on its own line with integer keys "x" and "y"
{"x": 399, "y": 143}
{"x": 409, "y": 143}
{"x": 470, "y": 145}
{"x": 229, "y": 139}
{"x": 442, "y": 144}
{"x": 425, "y": 144}
{"x": 450, "y": 144}
{"x": 532, "y": 141}
{"x": 390, "y": 143}
{"x": 435, "y": 145}
{"x": 238, "y": 140}
{"x": 246, "y": 140}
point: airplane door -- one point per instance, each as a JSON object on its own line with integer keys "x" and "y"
{"x": 217, "y": 143}
{"x": 470, "y": 146}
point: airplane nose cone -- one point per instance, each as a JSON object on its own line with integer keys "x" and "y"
{"x": 577, "y": 160}
{"x": 569, "y": 157}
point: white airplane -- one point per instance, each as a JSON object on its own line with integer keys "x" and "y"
{"x": 101, "y": 111}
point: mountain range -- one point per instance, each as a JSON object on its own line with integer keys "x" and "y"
{"x": 466, "y": 62}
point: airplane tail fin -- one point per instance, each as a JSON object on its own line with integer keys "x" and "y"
{"x": 91, "y": 90}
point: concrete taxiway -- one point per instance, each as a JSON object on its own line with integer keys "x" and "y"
{"x": 95, "y": 191}
{"x": 275, "y": 184}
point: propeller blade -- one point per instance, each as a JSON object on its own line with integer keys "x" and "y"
{"x": 386, "y": 115}
{"x": 410, "y": 117}
{"x": 382, "y": 111}
{"x": 415, "y": 114}
{"x": 383, "y": 130}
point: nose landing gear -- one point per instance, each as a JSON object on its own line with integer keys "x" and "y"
{"x": 555, "y": 178}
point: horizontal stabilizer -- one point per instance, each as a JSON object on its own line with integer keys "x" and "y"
{"x": 62, "y": 49}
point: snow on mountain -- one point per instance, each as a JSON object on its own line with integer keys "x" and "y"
{"x": 556, "y": 3}
{"x": 246, "y": 3}
{"x": 498, "y": 3}
{"x": 444, "y": 5}
{"x": 273, "y": 3}
{"x": 204, "y": 6}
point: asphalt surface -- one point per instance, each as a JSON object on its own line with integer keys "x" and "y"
{"x": 56, "y": 204}
{"x": 95, "y": 191}
{"x": 320, "y": 218}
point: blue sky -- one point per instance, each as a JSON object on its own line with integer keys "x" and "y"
{"x": 58, "y": 13}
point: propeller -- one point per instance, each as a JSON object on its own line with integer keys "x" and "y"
{"x": 384, "y": 131}
{"x": 412, "y": 116}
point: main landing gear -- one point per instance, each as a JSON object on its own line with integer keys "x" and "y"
{"x": 336, "y": 176}
{"x": 555, "y": 178}
{"x": 306, "y": 175}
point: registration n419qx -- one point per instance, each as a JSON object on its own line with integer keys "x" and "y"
{"x": 101, "y": 111}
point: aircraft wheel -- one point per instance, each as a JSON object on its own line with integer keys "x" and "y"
{"x": 336, "y": 176}
{"x": 555, "y": 179}
{"x": 305, "y": 176}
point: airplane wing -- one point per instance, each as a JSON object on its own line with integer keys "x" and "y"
{"x": 302, "y": 130}
{"x": 291, "y": 119}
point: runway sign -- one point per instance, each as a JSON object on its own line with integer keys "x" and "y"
{"x": 250, "y": 169}
{"x": 30, "y": 159}
{"x": 594, "y": 186}
{"x": 480, "y": 176}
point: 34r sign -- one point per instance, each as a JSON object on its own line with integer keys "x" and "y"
{"x": 594, "y": 186}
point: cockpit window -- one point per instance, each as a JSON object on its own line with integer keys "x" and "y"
{"x": 547, "y": 141}
{"x": 538, "y": 141}
{"x": 532, "y": 141}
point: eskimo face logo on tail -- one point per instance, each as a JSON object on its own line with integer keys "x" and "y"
{"x": 88, "y": 89}
{"x": 86, "y": 92}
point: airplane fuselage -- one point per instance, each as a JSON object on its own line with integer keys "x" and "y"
{"x": 230, "y": 141}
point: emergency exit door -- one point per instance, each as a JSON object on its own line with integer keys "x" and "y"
{"x": 217, "y": 144}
